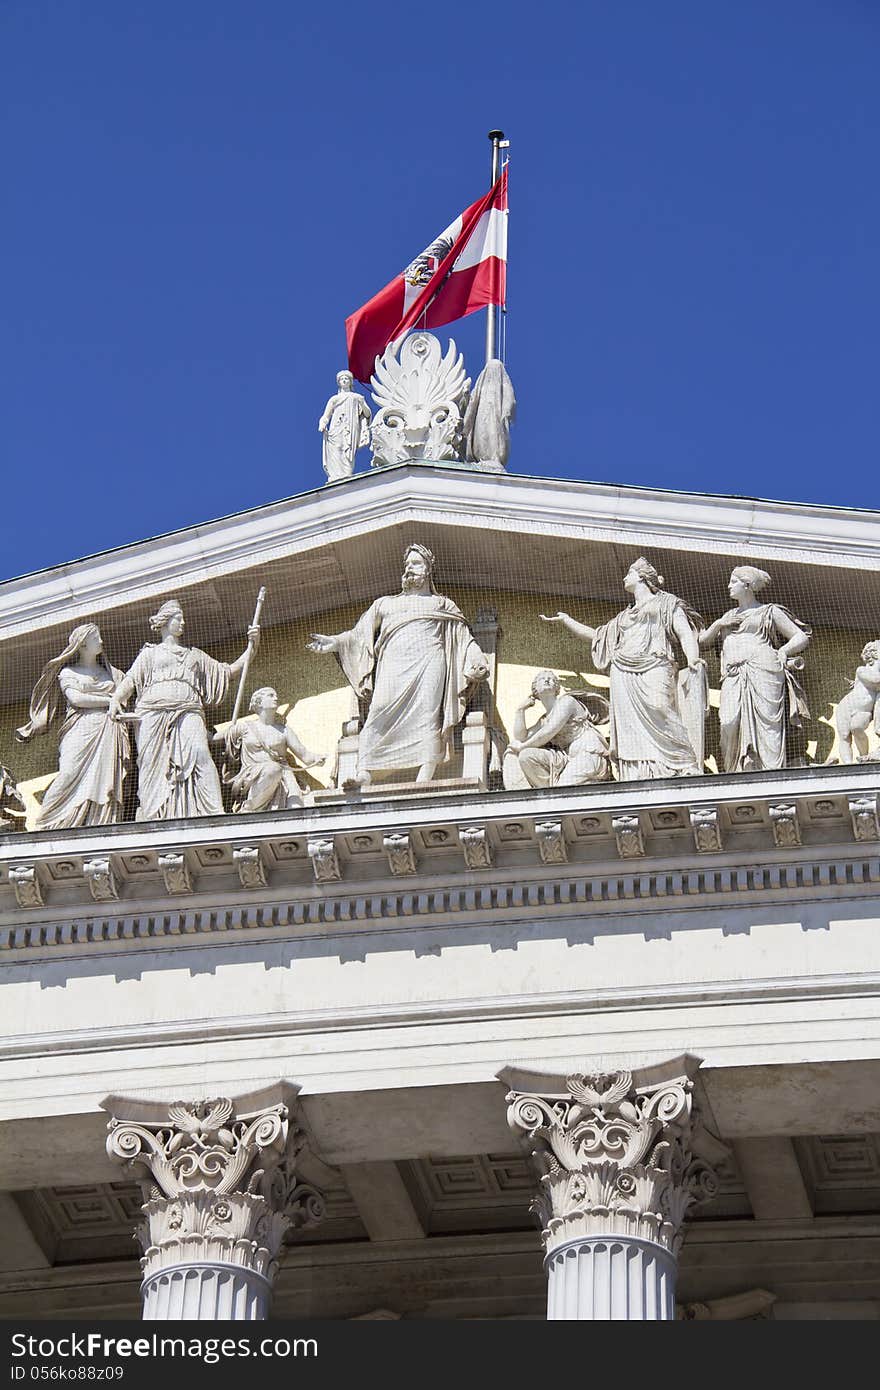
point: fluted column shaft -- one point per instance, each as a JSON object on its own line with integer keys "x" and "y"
{"x": 610, "y": 1279}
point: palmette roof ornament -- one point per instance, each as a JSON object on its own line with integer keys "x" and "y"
{"x": 616, "y": 1158}
{"x": 421, "y": 394}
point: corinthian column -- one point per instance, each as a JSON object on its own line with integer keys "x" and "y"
{"x": 621, "y": 1158}
{"x": 220, "y": 1190}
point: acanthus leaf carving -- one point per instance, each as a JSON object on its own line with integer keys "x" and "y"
{"x": 551, "y": 842}
{"x": 401, "y": 855}
{"x": 614, "y": 1157}
{"x": 786, "y": 828}
{"x": 325, "y": 860}
{"x": 101, "y": 878}
{"x": 221, "y": 1187}
{"x": 476, "y": 846}
{"x": 175, "y": 872}
{"x": 706, "y": 826}
{"x": 628, "y": 834}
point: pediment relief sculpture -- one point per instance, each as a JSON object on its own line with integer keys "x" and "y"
{"x": 430, "y": 692}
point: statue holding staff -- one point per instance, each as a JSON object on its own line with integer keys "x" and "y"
{"x": 657, "y": 678}
{"x": 93, "y": 750}
{"x": 173, "y": 683}
{"x": 414, "y": 654}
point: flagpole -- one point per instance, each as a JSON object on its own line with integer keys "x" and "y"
{"x": 496, "y": 136}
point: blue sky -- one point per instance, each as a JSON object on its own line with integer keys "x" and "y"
{"x": 197, "y": 194}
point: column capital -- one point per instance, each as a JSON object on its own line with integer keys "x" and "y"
{"x": 622, "y": 1153}
{"x": 221, "y": 1189}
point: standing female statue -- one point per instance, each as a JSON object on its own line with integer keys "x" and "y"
{"x": 345, "y": 425}
{"x": 760, "y": 696}
{"x": 93, "y": 750}
{"x": 650, "y": 700}
{"x": 173, "y": 683}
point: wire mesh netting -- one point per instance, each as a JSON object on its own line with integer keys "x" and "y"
{"x": 502, "y": 576}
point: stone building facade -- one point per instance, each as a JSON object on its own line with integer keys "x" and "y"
{"x": 465, "y": 1046}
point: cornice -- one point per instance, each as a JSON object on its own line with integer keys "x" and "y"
{"x": 447, "y": 495}
{"x": 380, "y": 865}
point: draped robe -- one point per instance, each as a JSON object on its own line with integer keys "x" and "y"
{"x": 648, "y": 736}
{"x": 176, "y": 773}
{"x": 416, "y": 655}
{"x": 93, "y": 759}
{"x": 347, "y": 431}
{"x": 760, "y": 698}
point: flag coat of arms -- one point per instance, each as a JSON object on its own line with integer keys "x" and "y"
{"x": 462, "y": 270}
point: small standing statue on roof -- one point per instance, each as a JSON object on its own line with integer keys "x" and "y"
{"x": 487, "y": 420}
{"x": 345, "y": 426}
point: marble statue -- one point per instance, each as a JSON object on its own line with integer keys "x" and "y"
{"x": 488, "y": 416}
{"x": 761, "y": 697}
{"x": 564, "y": 748}
{"x": 656, "y": 707}
{"x": 859, "y": 707}
{"x": 345, "y": 426}
{"x": 93, "y": 750}
{"x": 12, "y": 805}
{"x": 414, "y": 654}
{"x": 173, "y": 683}
{"x": 421, "y": 395}
{"x": 265, "y": 780}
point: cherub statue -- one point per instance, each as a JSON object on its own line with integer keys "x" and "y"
{"x": 859, "y": 706}
{"x": 345, "y": 426}
{"x": 265, "y": 780}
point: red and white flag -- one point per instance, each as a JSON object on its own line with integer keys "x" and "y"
{"x": 463, "y": 269}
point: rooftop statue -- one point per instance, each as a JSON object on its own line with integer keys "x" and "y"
{"x": 345, "y": 426}
{"x": 657, "y": 709}
{"x": 859, "y": 707}
{"x": 265, "y": 780}
{"x": 761, "y": 697}
{"x": 93, "y": 751}
{"x": 173, "y": 684}
{"x": 414, "y": 655}
{"x": 488, "y": 417}
{"x": 564, "y": 748}
{"x": 421, "y": 395}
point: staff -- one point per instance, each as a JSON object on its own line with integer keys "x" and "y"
{"x": 247, "y": 660}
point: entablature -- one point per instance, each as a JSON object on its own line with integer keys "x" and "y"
{"x": 374, "y": 859}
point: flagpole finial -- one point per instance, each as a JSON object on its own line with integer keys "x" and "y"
{"x": 496, "y": 135}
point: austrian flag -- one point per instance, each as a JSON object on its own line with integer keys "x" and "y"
{"x": 463, "y": 269}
